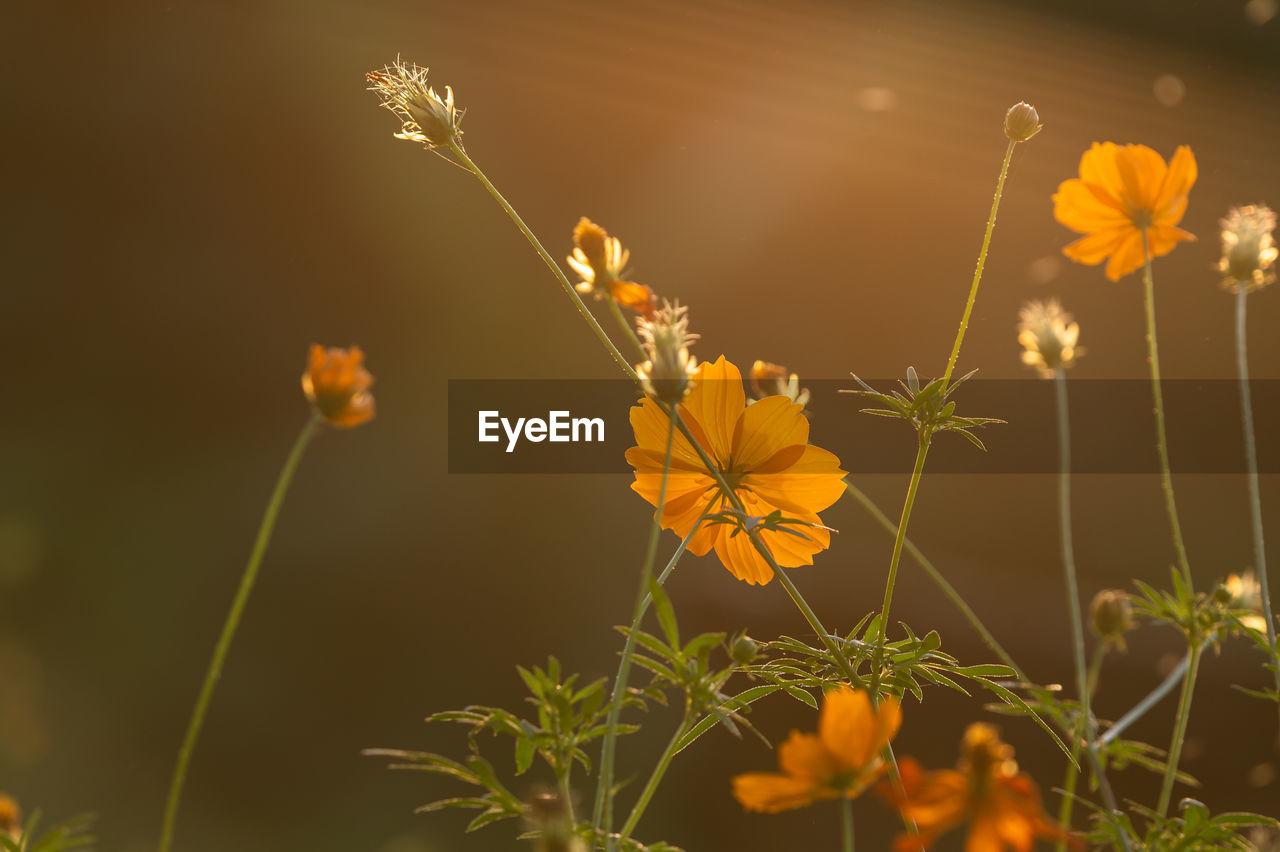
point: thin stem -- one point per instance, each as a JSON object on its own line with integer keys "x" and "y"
{"x": 626, "y": 328}
{"x": 602, "y": 814}
{"x": 940, "y": 581}
{"x": 1172, "y": 679}
{"x": 655, "y": 777}
{"x": 1083, "y": 687}
{"x": 1179, "y": 729}
{"x": 1251, "y": 461}
{"x": 846, "y": 812}
{"x": 1162, "y": 443}
{"x": 917, "y": 472}
{"x": 982, "y": 262}
{"x": 546, "y": 258}
{"x": 1073, "y": 771}
{"x": 220, "y": 650}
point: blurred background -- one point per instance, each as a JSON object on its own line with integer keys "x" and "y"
{"x": 194, "y": 192}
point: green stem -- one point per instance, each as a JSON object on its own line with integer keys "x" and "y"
{"x": 627, "y": 328}
{"x": 846, "y": 813}
{"x": 546, "y": 258}
{"x": 655, "y": 777}
{"x": 602, "y": 814}
{"x": 899, "y": 538}
{"x": 982, "y": 262}
{"x": 1162, "y": 444}
{"x": 1172, "y": 679}
{"x": 1179, "y": 728}
{"x": 229, "y": 631}
{"x": 1251, "y": 461}
{"x": 940, "y": 581}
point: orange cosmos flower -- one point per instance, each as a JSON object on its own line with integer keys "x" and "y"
{"x": 763, "y": 453}
{"x": 1125, "y": 194}
{"x": 600, "y": 261}
{"x": 337, "y": 385}
{"x": 841, "y": 760}
{"x": 1001, "y": 804}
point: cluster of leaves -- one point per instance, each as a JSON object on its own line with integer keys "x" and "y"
{"x": 1194, "y": 829}
{"x": 929, "y": 409}
{"x": 566, "y": 718}
{"x": 72, "y": 834}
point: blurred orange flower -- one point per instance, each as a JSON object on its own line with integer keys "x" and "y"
{"x": 1002, "y": 805}
{"x": 600, "y": 260}
{"x": 10, "y": 817}
{"x": 1125, "y": 194}
{"x": 337, "y": 385}
{"x": 842, "y": 759}
{"x": 763, "y": 453}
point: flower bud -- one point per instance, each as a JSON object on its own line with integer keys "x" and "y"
{"x": 743, "y": 649}
{"x": 1021, "y": 122}
{"x": 549, "y": 814}
{"x": 1112, "y": 615}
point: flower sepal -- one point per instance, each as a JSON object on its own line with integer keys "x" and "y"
{"x": 929, "y": 408}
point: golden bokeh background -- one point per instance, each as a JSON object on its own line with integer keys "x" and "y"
{"x": 196, "y": 191}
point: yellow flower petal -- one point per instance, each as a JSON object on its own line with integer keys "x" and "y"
{"x": 766, "y": 427}
{"x": 769, "y": 792}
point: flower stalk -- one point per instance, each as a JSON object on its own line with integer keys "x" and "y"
{"x": 1251, "y": 472}
{"x": 232, "y": 622}
{"x": 1180, "y": 728}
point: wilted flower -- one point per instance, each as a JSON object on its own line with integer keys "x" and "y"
{"x": 1243, "y": 594}
{"x": 10, "y": 818}
{"x": 840, "y": 761}
{"x": 600, "y": 260}
{"x": 337, "y": 385}
{"x": 1248, "y": 252}
{"x": 1111, "y": 616}
{"x": 1125, "y": 196}
{"x": 668, "y": 374}
{"x": 761, "y": 451}
{"x": 1048, "y": 337}
{"x": 773, "y": 380}
{"x": 1021, "y": 122}
{"x": 424, "y": 116}
{"x": 1001, "y": 804}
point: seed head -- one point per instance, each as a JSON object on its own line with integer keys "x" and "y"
{"x": 668, "y": 374}
{"x": 1048, "y": 336}
{"x": 424, "y": 116}
{"x": 1248, "y": 250}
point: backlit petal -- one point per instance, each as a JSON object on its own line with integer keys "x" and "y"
{"x": 716, "y": 403}
{"x": 766, "y": 427}
{"x": 769, "y": 792}
{"x": 1086, "y": 208}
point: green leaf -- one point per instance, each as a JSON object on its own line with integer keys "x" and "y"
{"x": 666, "y": 614}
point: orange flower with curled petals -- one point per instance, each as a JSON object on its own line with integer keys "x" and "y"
{"x": 763, "y": 453}
{"x": 1001, "y": 804}
{"x": 337, "y": 385}
{"x": 1125, "y": 195}
{"x": 841, "y": 760}
{"x": 600, "y": 261}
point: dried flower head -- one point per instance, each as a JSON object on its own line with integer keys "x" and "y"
{"x": 1248, "y": 250}
{"x": 424, "y": 116}
{"x": 1111, "y": 616}
{"x": 550, "y": 815}
{"x": 1048, "y": 337}
{"x": 337, "y": 385}
{"x": 600, "y": 260}
{"x": 1243, "y": 594}
{"x": 10, "y": 817}
{"x": 773, "y": 380}
{"x": 668, "y": 374}
{"x": 1021, "y": 122}
{"x": 1127, "y": 203}
{"x": 840, "y": 761}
